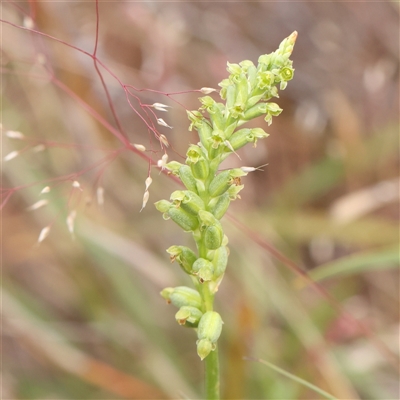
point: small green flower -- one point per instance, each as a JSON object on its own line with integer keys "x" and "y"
{"x": 220, "y": 261}
{"x": 184, "y": 256}
{"x": 234, "y": 69}
{"x": 188, "y": 316}
{"x": 208, "y": 332}
{"x": 187, "y": 178}
{"x": 265, "y": 79}
{"x": 195, "y": 118}
{"x": 188, "y": 201}
{"x": 286, "y": 73}
{"x": 183, "y": 296}
{"x": 219, "y": 205}
{"x": 186, "y": 221}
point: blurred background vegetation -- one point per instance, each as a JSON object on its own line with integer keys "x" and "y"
{"x": 81, "y": 313}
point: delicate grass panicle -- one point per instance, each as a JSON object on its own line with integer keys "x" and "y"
{"x": 246, "y": 94}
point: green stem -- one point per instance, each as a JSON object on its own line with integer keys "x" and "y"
{"x": 212, "y": 382}
{"x": 212, "y": 375}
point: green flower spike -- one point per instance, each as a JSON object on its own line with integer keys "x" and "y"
{"x": 245, "y": 95}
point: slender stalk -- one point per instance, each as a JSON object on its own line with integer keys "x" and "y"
{"x": 212, "y": 376}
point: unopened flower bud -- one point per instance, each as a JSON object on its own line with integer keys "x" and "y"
{"x": 234, "y": 190}
{"x": 222, "y": 182}
{"x": 205, "y": 274}
{"x": 196, "y": 118}
{"x": 208, "y": 332}
{"x": 188, "y": 201}
{"x": 213, "y": 236}
{"x": 204, "y": 348}
{"x": 165, "y": 293}
{"x": 184, "y": 256}
{"x": 188, "y": 222}
{"x": 187, "y": 178}
{"x": 220, "y": 261}
{"x": 207, "y": 218}
{"x": 163, "y": 205}
{"x": 244, "y": 136}
{"x": 199, "y": 264}
{"x": 185, "y": 296}
{"x": 173, "y": 166}
{"x": 188, "y": 316}
{"x": 198, "y": 163}
{"x": 205, "y": 132}
{"x": 219, "y": 205}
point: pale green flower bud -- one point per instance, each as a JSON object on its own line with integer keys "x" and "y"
{"x": 234, "y": 69}
{"x": 242, "y": 88}
{"x": 210, "y": 326}
{"x": 198, "y": 164}
{"x": 187, "y": 178}
{"x": 213, "y": 236}
{"x": 286, "y": 47}
{"x": 186, "y": 221}
{"x": 185, "y": 296}
{"x": 219, "y": 205}
{"x": 272, "y": 110}
{"x": 246, "y": 64}
{"x": 208, "y": 104}
{"x": 205, "y": 274}
{"x": 255, "y": 111}
{"x": 222, "y": 182}
{"x": 204, "y": 269}
{"x": 195, "y": 118}
{"x": 184, "y": 256}
{"x": 199, "y": 264}
{"x": 173, "y": 166}
{"x": 188, "y": 201}
{"x": 207, "y": 219}
{"x": 252, "y": 76}
{"x": 166, "y": 293}
{"x": 217, "y": 116}
{"x": 205, "y": 132}
{"x": 200, "y": 169}
{"x": 239, "y": 138}
{"x": 220, "y": 261}
{"x": 265, "y": 60}
{"x": 234, "y": 190}
{"x": 230, "y": 96}
{"x": 163, "y": 205}
{"x": 188, "y": 316}
{"x": 211, "y": 229}
{"x": 224, "y": 84}
{"x": 242, "y": 137}
{"x": 208, "y": 332}
{"x": 204, "y": 348}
